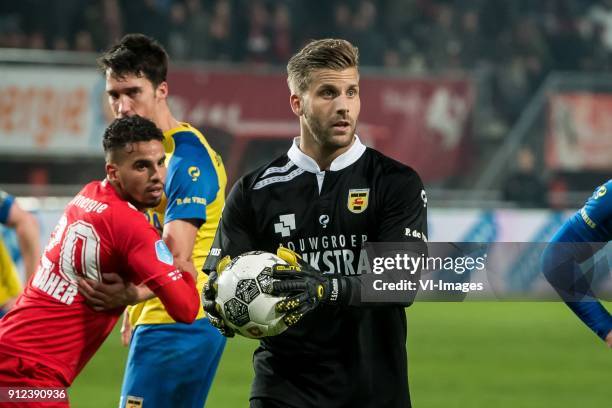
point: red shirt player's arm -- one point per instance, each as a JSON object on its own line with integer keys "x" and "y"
{"x": 180, "y": 296}
{"x": 148, "y": 260}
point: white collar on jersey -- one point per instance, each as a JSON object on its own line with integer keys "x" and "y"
{"x": 305, "y": 162}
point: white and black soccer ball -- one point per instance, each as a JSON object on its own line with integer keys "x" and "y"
{"x": 241, "y": 293}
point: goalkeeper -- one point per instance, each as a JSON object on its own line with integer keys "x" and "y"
{"x": 325, "y": 197}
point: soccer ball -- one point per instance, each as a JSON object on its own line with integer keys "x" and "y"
{"x": 241, "y": 293}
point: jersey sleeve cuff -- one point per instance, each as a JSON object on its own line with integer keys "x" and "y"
{"x": 187, "y": 216}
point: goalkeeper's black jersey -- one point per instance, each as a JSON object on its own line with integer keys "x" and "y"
{"x": 352, "y": 356}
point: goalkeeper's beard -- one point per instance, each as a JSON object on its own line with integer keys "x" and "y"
{"x": 323, "y": 135}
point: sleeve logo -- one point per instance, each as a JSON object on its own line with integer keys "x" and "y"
{"x": 601, "y": 191}
{"x": 163, "y": 253}
{"x": 133, "y": 402}
{"x": 587, "y": 219}
{"x": 194, "y": 173}
{"x": 175, "y": 275}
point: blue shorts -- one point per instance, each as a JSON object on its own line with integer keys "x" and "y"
{"x": 171, "y": 365}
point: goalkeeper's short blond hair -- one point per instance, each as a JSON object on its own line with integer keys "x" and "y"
{"x": 328, "y": 53}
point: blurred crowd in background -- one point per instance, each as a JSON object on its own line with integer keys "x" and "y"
{"x": 521, "y": 40}
{"x": 517, "y": 43}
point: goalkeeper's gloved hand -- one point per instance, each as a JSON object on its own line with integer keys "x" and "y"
{"x": 209, "y": 294}
{"x": 305, "y": 287}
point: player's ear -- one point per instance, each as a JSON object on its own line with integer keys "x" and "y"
{"x": 296, "y": 104}
{"x": 112, "y": 171}
{"x": 162, "y": 90}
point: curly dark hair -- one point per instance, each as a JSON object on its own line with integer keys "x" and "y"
{"x": 128, "y": 130}
{"x": 139, "y": 55}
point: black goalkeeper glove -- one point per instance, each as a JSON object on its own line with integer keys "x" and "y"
{"x": 209, "y": 294}
{"x": 305, "y": 287}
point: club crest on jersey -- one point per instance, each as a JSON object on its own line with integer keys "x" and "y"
{"x": 163, "y": 253}
{"x": 358, "y": 200}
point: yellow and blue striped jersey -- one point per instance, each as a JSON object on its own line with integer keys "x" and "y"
{"x": 195, "y": 189}
{"x": 10, "y": 284}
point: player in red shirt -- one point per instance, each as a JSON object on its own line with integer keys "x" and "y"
{"x": 50, "y": 334}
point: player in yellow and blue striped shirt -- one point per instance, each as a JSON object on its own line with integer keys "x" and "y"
{"x": 169, "y": 364}
{"x": 26, "y": 227}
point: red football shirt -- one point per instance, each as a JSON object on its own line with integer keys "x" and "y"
{"x": 98, "y": 233}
